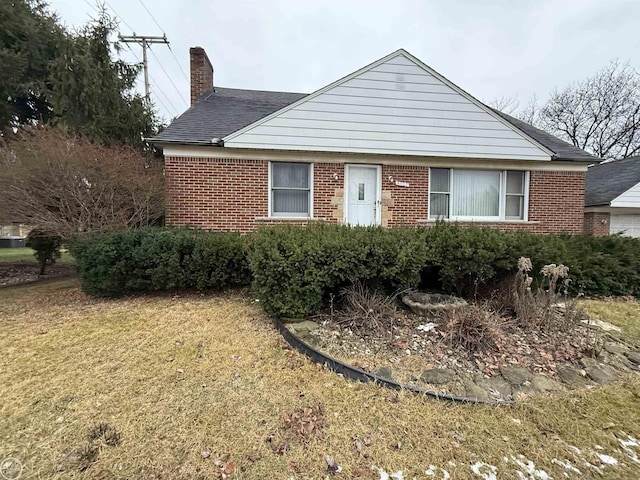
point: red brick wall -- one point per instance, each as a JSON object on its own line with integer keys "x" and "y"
{"x": 232, "y": 195}
{"x": 409, "y": 204}
{"x": 216, "y": 194}
{"x": 597, "y": 223}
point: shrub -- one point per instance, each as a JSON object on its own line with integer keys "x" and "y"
{"x": 154, "y": 259}
{"x": 296, "y": 269}
{"x": 365, "y": 311}
{"x": 474, "y": 327}
{"x": 46, "y": 246}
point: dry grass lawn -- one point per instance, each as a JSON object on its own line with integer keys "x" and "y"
{"x": 176, "y": 377}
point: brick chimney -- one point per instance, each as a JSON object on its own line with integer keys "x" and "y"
{"x": 201, "y": 73}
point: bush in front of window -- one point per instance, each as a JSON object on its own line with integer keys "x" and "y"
{"x": 154, "y": 259}
{"x": 295, "y": 270}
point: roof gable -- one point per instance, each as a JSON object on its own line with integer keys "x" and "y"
{"x": 608, "y": 181}
{"x": 397, "y": 105}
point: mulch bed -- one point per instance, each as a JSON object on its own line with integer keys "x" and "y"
{"x": 16, "y": 273}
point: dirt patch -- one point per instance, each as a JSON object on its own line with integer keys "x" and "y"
{"x": 19, "y": 272}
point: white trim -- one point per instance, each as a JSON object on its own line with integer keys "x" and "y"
{"x": 323, "y": 157}
{"x": 345, "y": 198}
{"x": 501, "y": 200}
{"x": 619, "y": 200}
{"x": 270, "y": 201}
{"x": 419, "y": 63}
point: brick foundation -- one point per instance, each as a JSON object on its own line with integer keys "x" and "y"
{"x": 232, "y": 195}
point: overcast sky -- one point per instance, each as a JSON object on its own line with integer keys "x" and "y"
{"x": 490, "y": 48}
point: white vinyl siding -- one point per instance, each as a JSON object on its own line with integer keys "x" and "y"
{"x": 477, "y": 195}
{"x": 630, "y": 198}
{"x": 290, "y": 189}
{"x": 394, "y": 107}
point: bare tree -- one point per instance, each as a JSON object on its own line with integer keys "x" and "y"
{"x": 600, "y": 114}
{"x": 508, "y": 105}
{"x": 68, "y": 185}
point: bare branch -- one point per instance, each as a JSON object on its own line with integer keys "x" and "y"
{"x": 69, "y": 185}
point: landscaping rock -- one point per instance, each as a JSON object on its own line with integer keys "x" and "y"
{"x": 588, "y": 362}
{"x": 516, "y": 375}
{"x": 304, "y": 326}
{"x": 572, "y": 376}
{"x": 541, "y": 383}
{"x": 634, "y": 357}
{"x": 438, "y": 376}
{"x": 616, "y": 348}
{"x": 495, "y": 385}
{"x": 384, "y": 372}
{"x": 471, "y": 390}
{"x": 601, "y": 373}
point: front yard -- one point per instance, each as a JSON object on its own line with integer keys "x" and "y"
{"x": 198, "y": 386}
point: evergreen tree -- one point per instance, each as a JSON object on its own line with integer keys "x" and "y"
{"x": 29, "y": 39}
{"x": 92, "y": 93}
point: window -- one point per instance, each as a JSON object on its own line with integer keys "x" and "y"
{"x": 290, "y": 189}
{"x": 477, "y": 194}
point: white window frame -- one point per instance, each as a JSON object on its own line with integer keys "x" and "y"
{"x": 502, "y": 199}
{"x": 270, "y": 194}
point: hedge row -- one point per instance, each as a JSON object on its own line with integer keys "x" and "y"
{"x": 296, "y": 270}
{"x": 153, "y": 259}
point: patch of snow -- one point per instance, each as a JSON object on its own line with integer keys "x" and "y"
{"x": 530, "y": 469}
{"x": 491, "y": 474}
{"x": 630, "y": 442}
{"x": 517, "y": 421}
{"x": 427, "y": 327}
{"x": 383, "y": 475}
{"x": 607, "y": 459}
{"x": 397, "y": 476}
{"x": 431, "y": 472}
{"x": 566, "y": 464}
{"x": 576, "y": 450}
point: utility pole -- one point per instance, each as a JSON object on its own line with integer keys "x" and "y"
{"x": 145, "y": 41}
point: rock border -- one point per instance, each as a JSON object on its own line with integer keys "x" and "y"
{"x": 360, "y": 375}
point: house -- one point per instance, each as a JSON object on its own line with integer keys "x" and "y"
{"x": 392, "y": 143}
{"x": 612, "y": 198}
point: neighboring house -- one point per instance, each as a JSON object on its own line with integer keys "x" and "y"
{"x": 612, "y": 198}
{"x": 392, "y": 143}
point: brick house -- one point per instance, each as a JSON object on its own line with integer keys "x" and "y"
{"x": 612, "y": 198}
{"x": 392, "y": 143}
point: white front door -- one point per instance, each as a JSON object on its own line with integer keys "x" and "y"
{"x": 362, "y": 195}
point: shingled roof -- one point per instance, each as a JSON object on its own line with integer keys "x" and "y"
{"x": 607, "y": 181}
{"x": 562, "y": 150}
{"x": 222, "y": 111}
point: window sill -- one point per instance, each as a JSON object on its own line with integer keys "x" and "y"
{"x": 488, "y": 222}
{"x": 288, "y": 219}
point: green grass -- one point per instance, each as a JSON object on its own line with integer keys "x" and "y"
{"x": 177, "y": 376}
{"x": 26, "y": 254}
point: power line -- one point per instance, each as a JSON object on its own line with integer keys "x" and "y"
{"x": 145, "y": 41}
{"x": 151, "y": 15}
{"x": 166, "y": 73}
{"x": 166, "y": 97}
{"x": 162, "y": 30}
{"x": 121, "y": 19}
{"x": 186, "y": 77}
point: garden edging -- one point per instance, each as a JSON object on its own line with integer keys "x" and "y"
{"x": 360, "y": 375}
